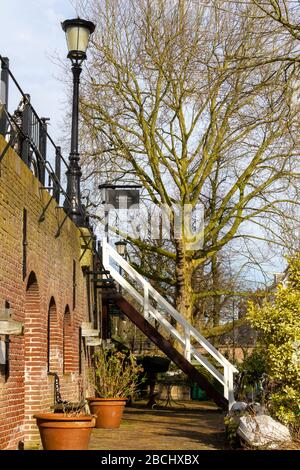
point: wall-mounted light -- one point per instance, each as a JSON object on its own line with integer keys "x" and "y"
{"x": 7, "y": 325}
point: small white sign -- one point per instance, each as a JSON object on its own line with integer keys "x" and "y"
{"x": 93, "y": 341}
{"x": 89, "y": 332}
{"x": 2, "y": 352}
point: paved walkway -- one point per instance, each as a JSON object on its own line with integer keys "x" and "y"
{"x": 194, "y": 426}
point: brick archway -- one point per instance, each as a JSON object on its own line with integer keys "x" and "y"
{"x": 54, "y": 340}
{"x": 35, "y": 355}
{"x": 68, "y": 342}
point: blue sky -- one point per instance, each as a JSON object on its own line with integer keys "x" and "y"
{"x": 31, "y": 35}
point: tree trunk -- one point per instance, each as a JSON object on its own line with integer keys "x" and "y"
{"x": 216, "y": 314}
{"x": 184, "y": 289}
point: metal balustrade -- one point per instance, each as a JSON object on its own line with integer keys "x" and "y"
{"x": 27, "y": 133}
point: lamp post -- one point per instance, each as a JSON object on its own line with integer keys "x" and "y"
{"x": 78, "y": 32}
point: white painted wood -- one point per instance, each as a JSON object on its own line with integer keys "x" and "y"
{"x": 226, "y": 382}
{"x": 163, "y": 321}
{"x": 146, "y": 301}
{"x": 164, "y": 306}
{"x": 205, "y": 363}
{"x": 164, "y": 303}
{"x": 231, "y": 399}
{"x": 187, "y": 344}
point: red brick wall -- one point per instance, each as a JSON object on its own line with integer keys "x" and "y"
{"x": 44, "y": 296}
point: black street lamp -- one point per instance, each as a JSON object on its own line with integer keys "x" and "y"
{"x": 78, "y": 32}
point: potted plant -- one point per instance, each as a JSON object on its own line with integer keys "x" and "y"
{"x": 69, "y": 430}
{"x": 115, "y": 377}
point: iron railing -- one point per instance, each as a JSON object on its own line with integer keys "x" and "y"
{"x": 27, "y": 133}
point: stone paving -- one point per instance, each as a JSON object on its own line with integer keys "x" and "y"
{"x": 189, "y": 426}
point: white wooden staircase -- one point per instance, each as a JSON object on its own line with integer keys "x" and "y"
{"x": 196, "y": 349}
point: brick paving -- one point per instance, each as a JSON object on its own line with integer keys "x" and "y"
{"x": 189, "y": 426}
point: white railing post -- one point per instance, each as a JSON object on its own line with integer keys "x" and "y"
{"x": 146, "y": 300}
{"x": 187, "y": 343}
{"x": 105, "y": 254}
{"x": 231, "y": 399}
{"x": 226, "y": 388}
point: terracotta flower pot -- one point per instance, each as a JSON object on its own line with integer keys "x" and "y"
{"x": 60, "y": 432}
{"x": 109, "y": 411}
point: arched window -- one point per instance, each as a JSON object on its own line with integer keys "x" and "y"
{"x": 54, "y": 352}
{"x": 68, "y": 353}
{"x": 34, "y": 355}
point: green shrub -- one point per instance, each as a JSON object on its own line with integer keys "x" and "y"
{"x": 231, "y": 426}
{"x": 254, "y": 366}
{"x": 278, "y": 322}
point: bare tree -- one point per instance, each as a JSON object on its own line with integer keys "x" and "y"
{"x": 172, "y": 100}
{"x": 285, "y": 13}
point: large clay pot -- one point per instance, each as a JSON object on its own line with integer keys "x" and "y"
{"x": 109, "y": 411}
{"x": 60, "y": 432}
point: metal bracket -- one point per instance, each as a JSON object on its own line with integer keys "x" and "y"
{"x": 42, "y": 216}
{"x": 61, "y": 226}
{"x": 86, "y": 244}
{"x": 9, "y": 144}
